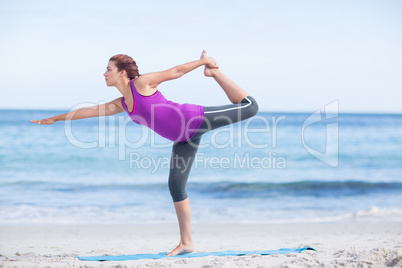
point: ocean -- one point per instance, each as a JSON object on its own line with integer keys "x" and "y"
{"x": 273, "y": 168}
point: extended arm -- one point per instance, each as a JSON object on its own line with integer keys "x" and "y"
{"x": 152, "y": 80}
{"x": 110, "y": 108}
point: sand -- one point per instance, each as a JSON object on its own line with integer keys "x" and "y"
{"x": 337, "y": 244}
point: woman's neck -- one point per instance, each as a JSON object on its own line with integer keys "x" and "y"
{"x": 124, "y": 87}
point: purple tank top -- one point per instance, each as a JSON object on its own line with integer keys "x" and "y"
{"x": 176, "y": 122}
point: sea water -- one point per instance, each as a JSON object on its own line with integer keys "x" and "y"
{"x": 275, "y": 167}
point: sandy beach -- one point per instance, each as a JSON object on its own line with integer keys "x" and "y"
{"x": 337, "y": 244}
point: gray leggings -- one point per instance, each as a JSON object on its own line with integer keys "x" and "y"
{"x": 183, "y": 153}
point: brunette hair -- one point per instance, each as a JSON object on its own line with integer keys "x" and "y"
{"x": 124, "y": 62}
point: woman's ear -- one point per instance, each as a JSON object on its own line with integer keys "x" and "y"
{"x": 123, "y": 73}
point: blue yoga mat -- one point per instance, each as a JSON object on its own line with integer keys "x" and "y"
{"x": 193, "y": 255}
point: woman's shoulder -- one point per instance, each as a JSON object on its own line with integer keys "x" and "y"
{"x": 143, "y": 85}
{"x": 141, "y": 81}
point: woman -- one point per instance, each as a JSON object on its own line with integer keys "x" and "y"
{"x": 183, "y": 124}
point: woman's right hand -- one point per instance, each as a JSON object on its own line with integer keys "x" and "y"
{"x": 47, "y": 121}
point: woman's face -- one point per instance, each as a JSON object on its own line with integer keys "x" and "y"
{"x": 111, "y": 74}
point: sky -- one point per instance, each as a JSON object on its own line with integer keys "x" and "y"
{"x": 292, "y": 56}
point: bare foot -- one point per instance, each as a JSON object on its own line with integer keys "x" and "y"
{"x": 181, "y": 249}
{"x": 207, "y": 71}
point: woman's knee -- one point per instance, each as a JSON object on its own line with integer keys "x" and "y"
{"x": 253, "y": 107}
{"x": 177, "y": 192}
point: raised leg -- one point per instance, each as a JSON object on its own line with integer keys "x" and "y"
{"x": 234, "y": 92}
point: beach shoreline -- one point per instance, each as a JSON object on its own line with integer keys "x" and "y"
{"x": 352, "y": 244}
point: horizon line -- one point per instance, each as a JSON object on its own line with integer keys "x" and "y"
{"x": 261, "y": 110}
